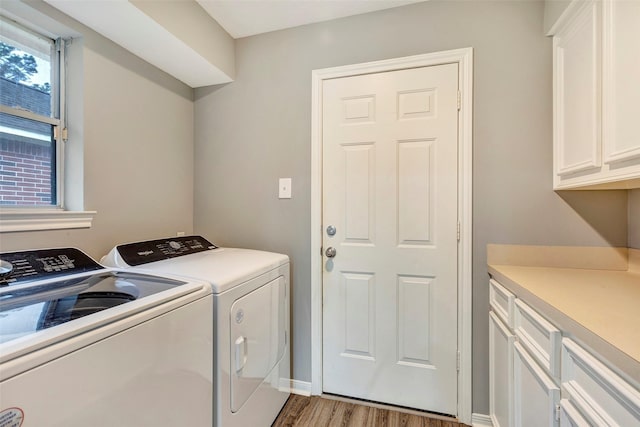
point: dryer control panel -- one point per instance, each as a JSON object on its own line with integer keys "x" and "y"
{"x": 139, "y": 253}
{"x": 16, "y": 267}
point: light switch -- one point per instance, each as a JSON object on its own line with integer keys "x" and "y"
{"x": 284, "y": 188}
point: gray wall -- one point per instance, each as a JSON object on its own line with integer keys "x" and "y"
{"x": 553, "y": 9}
{"x": 253, "y": 131}
{"x": 131, "y": 129}
{"x": 634, "y": 219}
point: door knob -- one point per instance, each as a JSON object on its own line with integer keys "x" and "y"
{"x": 330, "y": 252}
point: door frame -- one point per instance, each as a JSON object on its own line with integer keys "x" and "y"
{"x": 464, "y": 59}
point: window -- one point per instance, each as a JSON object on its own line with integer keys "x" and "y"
{"x": 31, "y": 117}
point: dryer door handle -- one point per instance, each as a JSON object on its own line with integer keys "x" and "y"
{"x": 241, "y": 353}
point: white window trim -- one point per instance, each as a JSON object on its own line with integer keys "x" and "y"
{"x": 54, "y": 217}
{"x": 21, "y": 219}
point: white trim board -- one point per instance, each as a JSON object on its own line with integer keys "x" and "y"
{"x": 464, "y": 59}
{"x": 19, "y": 219}
{"x": 481, "y": 420}
{"x": 303, "y": 388}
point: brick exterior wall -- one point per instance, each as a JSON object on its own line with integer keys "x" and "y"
{"x": 25, "y": 174}
{"x": 25, "y": 163}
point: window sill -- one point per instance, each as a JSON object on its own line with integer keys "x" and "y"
{"x": 12, "y": 220}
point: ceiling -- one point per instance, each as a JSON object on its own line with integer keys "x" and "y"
{"x": 173, "y": 34}
{"x": 242, "y": 18}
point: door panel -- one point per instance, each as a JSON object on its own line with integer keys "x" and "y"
{"x": 358, "y": 305}
{"x": 390, "y": 190}
{"x": 414, "y": 312}
{"x": 359, "y": 196}
{"x": 414, "y": 192}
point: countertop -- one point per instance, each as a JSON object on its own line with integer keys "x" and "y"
{"x": 596, "y": 306}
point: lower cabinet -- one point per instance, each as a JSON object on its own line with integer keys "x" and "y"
{"x": 538, "y": 378}
{"x": 501, "y": 341}
{"x": 570, "y": 416}
{"x": 521, "y": 390}
{"x": 536, "y": 396}
{"x": 599, "y": 394}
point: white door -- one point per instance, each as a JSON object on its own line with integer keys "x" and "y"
{"x": 390, "y": 169}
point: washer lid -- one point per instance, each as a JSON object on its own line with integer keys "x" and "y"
{"x": 223, "y": 268}
{"x": 27, "y": 310}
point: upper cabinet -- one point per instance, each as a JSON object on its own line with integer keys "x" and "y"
{"x": 596, "y": 93}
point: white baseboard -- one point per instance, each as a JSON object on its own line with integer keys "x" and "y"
{"x": 481, "y": 420}
{"x": 302, "y": 388}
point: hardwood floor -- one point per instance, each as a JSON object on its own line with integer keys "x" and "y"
{"x": 317, "y": 411}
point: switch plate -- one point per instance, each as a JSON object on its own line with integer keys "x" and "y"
{"x": 284, "y": 188}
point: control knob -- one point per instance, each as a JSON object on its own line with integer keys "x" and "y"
{"x": 5, "y": 268}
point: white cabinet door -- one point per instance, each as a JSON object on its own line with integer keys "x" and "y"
{"x": 536, "y": 396}
{"x": 501, "y": 342}
{"x": 570, "y": 416}
{"x": 539, "y": 337}
{"x": 621, "y": 85}
{"x": 596, "y": 64}
{"x": 577, "y": 89}
{"x": 603, "y": 397}
{"x": 501, "y": 302}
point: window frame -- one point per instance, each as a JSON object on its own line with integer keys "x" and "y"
{"x": 56, "y": 119}
{"x": 56, "y": 215}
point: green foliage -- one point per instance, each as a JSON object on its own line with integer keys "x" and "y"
{"x": 43, "y": 88}
{"x": 19, "y": 67}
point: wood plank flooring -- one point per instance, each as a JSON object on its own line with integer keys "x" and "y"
{"x": 300, "y": 411}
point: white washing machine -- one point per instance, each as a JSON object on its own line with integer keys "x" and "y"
{"x": 251, "y": 319}
{"x": 82, "y": 345}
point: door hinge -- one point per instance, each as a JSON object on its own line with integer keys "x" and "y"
{"x": 458, "y": 361}
{"x": 458, "y": 231}
{"x": 60, "y": 133}
{"x": 557, "y": 411}
{"x": 459, "y": 100}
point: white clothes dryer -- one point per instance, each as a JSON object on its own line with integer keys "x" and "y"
{"x": 82, "y": 345}
{"x": 251, "y": 319}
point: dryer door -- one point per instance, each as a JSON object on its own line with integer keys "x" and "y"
{"x": 257, "y": 339}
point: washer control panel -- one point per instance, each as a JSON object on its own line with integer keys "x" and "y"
{"x": 139, "y": 253}
{"x": 17, "y": 267}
